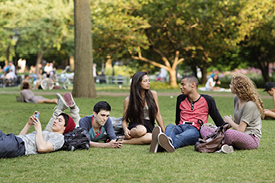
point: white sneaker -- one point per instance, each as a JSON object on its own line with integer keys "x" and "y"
{"x": 62, "y": 105}
{"x": 154, "y": 143}
{"x": 227, "y": 149}
{"x": 69, "y": 99}
{"x": 165, "y": 143}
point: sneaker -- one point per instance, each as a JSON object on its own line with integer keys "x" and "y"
{"x": 69, "y": 99}
{"x": 227, "y": 149}
{"x": 154, "y": 142}
{"x": 62, "y": 105}
{"x": 160, "y": 149}
{"x": 165, "y": 142}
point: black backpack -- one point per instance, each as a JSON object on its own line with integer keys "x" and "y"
{"x": 78, "y": 138}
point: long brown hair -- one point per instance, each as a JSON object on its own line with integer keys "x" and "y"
{"x": 135, "y": 112}
{"x": 246, "y": 90}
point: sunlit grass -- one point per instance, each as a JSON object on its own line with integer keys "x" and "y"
{"x": 133, "y": 163}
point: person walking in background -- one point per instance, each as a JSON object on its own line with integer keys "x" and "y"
{"x": 270, "y": 89}
{"x": 141, "y": 109}
{"x": 192, "y": 112}
{"x": 248, "y": 112}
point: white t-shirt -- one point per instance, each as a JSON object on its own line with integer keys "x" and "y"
{"x": 210, "y": 80}
{"x": 56, "y": 139}
{"x": 48, "y": 69}
{"x": 10, "y": 75}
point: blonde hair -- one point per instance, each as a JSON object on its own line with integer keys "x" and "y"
{"x": 246, "y": 90}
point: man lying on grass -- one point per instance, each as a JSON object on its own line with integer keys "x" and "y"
{"x": 97, "y": 124}
{"x": 39, "y": 141}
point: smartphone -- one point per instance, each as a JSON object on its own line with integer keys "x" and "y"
{"x": 37, "y": 115}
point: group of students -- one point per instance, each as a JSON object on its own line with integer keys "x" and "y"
{"x": 141, "y": 110}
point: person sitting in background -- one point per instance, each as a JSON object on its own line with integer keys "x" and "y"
{"x": 26, "y": 80}
{"x": 12, "y": 67}
{"x": 48, "y": 69}
{"x": 37, "y": 84}
{"x": 28, "y": 96}
{"x": 210, "y": 84}
{"x": 10, "y": 75}
{"x": 270, "y": 89}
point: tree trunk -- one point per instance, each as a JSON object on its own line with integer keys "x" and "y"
{"x": 8, "y": 54}
{"x": 71, "y": 63}
{"x": 204, "y": 73}
{"x": 263, "y": 65}
{"x": 173, "y": 78}
{"x": 265, "y": 70}
{"x": 38, "y": 61}
{"x": 84, "y": 85}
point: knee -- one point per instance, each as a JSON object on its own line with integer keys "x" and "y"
{"x": 169, "y": 126}
{"x": 147, "y": 138}
{"x": 228, "y": 135}
{"x": 138, "y": 131}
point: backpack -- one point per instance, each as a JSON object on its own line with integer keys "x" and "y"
{"x": 212, "y": 142}
{"x": 78, "y": 138}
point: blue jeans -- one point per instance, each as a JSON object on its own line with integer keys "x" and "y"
{"x": 11, "y": 146}
{"x": 182, "y": 135}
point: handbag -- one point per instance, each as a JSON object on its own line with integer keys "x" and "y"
{"x": 212, "y": 142}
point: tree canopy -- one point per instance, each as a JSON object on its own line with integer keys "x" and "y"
{"x": 163, "y": 33}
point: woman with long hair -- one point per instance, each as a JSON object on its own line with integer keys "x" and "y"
{"x": 141, "y": 109}
{"x": 248, "y": 112}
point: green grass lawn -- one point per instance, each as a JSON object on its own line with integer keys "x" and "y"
{"x": 133, "y": 163}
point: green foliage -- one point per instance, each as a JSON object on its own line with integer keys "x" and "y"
{"x": 161, "y": 85}
{"x": 122, "y": 70}
{"x": 41, "y": 24}
{"x": 257, "y": 34}
{"x": 224, "y": 34}
{"x": 114, "y": 28}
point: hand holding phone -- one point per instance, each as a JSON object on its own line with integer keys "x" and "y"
{"x": 36, "y": 116}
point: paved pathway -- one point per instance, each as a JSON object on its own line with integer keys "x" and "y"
{"x": 124, "y": 94}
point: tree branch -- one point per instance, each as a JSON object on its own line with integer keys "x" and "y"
{"x": 140, "y": 57}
